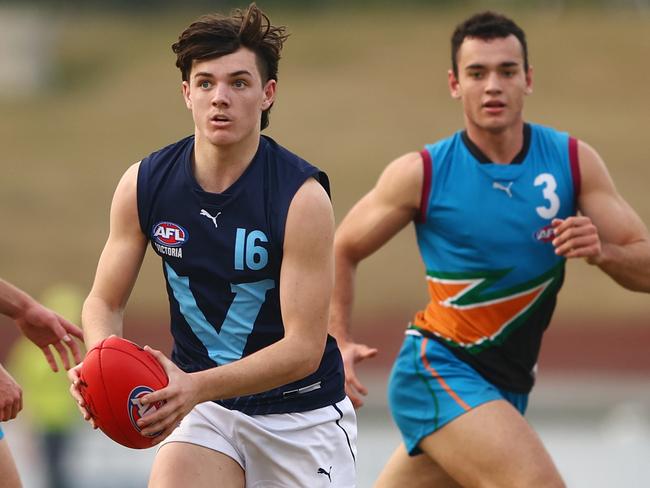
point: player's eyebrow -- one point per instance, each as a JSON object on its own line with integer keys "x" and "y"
{"x": 505, "y": 64}
{"x": 202, "y": 74}
{"x": 207, "y": 74}
{"x": 240, "y": 73}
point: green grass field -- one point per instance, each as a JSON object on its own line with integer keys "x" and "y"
{"x": 356, "y": 90}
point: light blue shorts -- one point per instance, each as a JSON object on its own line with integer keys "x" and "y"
{"x": 429, "y": 387}
{"x": 2, "y": 434}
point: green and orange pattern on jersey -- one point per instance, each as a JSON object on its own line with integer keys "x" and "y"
{"x": 467, "y": 311}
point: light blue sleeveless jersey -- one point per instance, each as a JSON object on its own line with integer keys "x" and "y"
{"x": 484, "y": 235}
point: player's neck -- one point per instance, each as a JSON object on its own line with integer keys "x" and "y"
{"x": 500, "y": 146}
{"x": 216, "y": 168}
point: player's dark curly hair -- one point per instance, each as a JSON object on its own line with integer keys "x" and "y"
{"x": 486, "y": 26}
{"x": 214, "y": 35}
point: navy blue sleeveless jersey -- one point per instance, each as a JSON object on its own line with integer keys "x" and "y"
{"x": 221, "y": 256}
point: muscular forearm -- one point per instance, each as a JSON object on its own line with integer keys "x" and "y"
{"x": 342, "y": 297}
{"x": 628, "y": 265}
{"x": 100, "y": 321}
{"x": 281, "y": 363}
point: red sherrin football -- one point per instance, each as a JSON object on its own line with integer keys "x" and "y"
{"x": 114, "y": 375}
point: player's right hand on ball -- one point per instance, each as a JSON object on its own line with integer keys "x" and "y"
{"x": 75, "y": 391}
{"x": 177, "y": 398}
{"x": 353, "y": 353}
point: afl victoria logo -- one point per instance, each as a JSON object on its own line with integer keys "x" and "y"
{"x": 169, "y": 234}
{"x": 136, "y": 409}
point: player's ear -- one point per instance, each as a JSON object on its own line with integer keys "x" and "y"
{"x": 186, "y": 95}
{"x": 529, "y": 81}
{"x": 454, "y": 88}
{"x": 269, "y": 94}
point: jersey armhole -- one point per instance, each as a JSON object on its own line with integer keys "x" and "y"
{"x": 324, "y": 180}
{"x": 575, "y": 167}
{"x": 142, "y": 199}
{"x": 426, "y": 186}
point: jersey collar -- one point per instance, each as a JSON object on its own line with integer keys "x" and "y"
{"x": 483, "y": 159}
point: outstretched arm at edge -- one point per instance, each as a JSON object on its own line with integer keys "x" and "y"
{"x": 40, "y": 325}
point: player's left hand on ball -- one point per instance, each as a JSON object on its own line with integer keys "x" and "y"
{"x": 75, "y": 391}
{"x": 179, "y": 397}
{"x": 577, "y": 237}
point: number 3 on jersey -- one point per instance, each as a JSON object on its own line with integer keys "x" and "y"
{"x": 548, "y": 192}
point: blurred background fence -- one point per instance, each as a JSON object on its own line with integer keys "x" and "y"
{"x": 87, "y": 88}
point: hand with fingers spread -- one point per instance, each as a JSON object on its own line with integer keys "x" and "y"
{"x": 352, "y": 354}
{"x": 45, "y": 328}
{"x": 41, "y": 325}
{"x": 577, "y": 237}
{"x": 179, "y": 397}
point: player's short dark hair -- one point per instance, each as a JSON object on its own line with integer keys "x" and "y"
{"x": 486, "y": 26}
{"x": 215, "y": 35}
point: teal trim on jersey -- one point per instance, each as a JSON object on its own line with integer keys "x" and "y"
{"x": 228, "y": 344}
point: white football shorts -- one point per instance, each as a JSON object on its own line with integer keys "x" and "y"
{"x": 311, "y": 449}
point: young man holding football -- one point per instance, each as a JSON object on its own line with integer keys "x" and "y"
{"x": 245, "y": 232}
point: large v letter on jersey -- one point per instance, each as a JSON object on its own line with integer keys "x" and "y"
{"x": 228, "y": 344}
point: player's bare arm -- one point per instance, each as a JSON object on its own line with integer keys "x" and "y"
{"x": 117, "y": 271}
{"x": 608, "y": 232}
{"x": 305, "y": 288}
{"x": 389, "y": 207}
{"x": 118, "y": 265}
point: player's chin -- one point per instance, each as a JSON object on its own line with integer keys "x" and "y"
{"x": 222, "y": 138}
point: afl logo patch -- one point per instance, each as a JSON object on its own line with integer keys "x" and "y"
{"x": 137, "y": 410}
{"x": 545, "y": 234}
{"x": 169, "y": 234}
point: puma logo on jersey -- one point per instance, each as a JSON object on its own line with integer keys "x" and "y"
{"x": 506, "y": 188}
{"x": 326, "y": 473}
{"x": 205, "y": 213}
